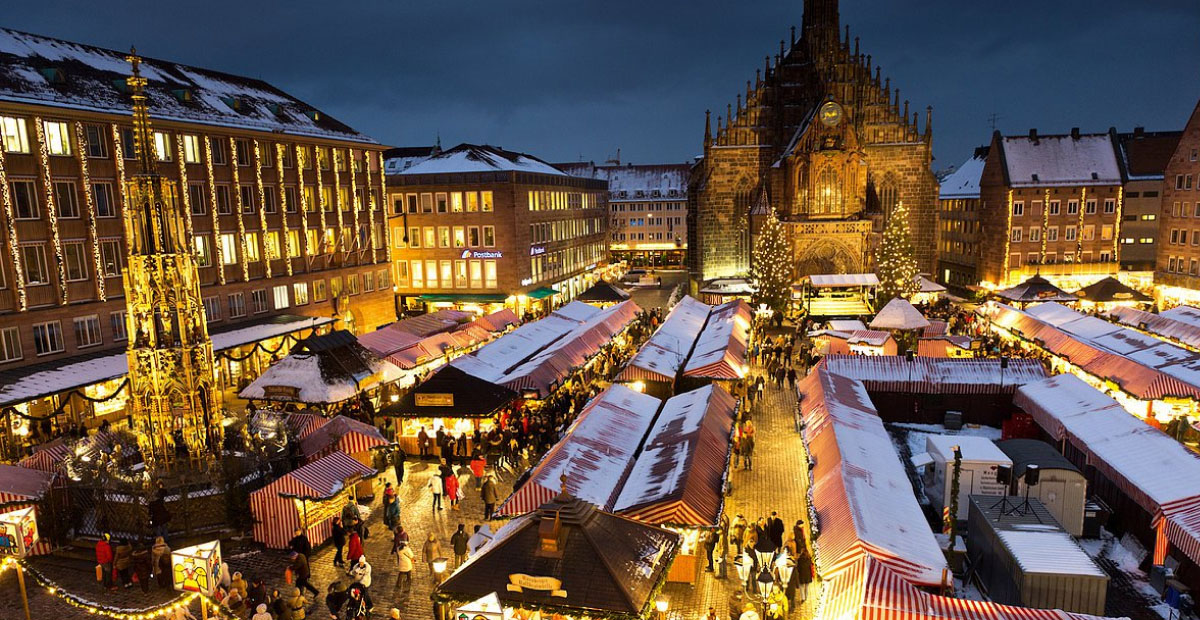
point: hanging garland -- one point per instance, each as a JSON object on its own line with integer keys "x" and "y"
{"x": 51, "y": 210}
{"x": 258, "y": 346}
{"x": 63, "y": 404}
{"x": 13, "y": 245}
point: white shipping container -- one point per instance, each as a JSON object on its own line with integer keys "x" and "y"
{"x": 980, "y": 461}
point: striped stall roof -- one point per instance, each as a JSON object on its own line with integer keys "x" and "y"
{"x": 276, "y": 517}
{"x": 720, "y": 351}
{"x": 341, "y": 434}
{"x": 934, "y": 375}
{"x": 303, "y": 424}
{"x": 23, "y": 484}
{"x": 497, "y": 321}
{"x": 663, "y": 355}
{"x": 48, "y": 457}
{"x": 1181, "y": 332}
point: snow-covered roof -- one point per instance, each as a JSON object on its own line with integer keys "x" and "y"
{"x": 46, "y": 71}
{"x": 399, "y": 159}
{"x": 720, "y": 351}
{"x": 481, "y": 158}
{"x": 846, "y": 325}
{"x": 973, "y": 448}
{"x": 963, "y": 183}
{"x": 835, "y": 280}
{"x": 1158, "y": 324}
{"x": 1039, "y": 549}
{"x": 277, "y": 326}
{"x": 631, "y": 182}
{"x": 1045, "y": 161}
{"x": 935, "y": 375}
{"x": 899, "y": 314}
{"x": 925, "y": 285}
{"x": 661, "y": 357}
{"x": 1183, "y": 314}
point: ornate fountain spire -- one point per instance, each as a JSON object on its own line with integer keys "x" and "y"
{"x": 143, "y": 141}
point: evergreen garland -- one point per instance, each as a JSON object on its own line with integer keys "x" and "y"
{"x": 771, "y": 269}
{"x": 895, "y": 263}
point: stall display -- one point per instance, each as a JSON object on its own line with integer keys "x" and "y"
{"x": 18, "y": 532}
{"x": 450, "y": 399}
{"x": 197, "y": 568}
{"x": 307, "y": 498}
{"x": 22, "y": 488}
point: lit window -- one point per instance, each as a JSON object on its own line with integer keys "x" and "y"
{"x": 281, "y": 296}
{"x": 293, "y": 243}
{"x": 318, "y": 290}
{"x": 300, "y": 292}
{"x": 191, "y": 149}
{"x": 418, "y": 274}
{"x": 476, "y": 274}
{"x": 489, "y": 236}
{"x": 489, "y": 274}
{"x": 460, "y": 274}
{"x": 162, "y": 146}
{"x": 203, "y": 251}
{"x": 12, "y": 130}
{"x": 272, "y": 242}
{"x": 58, "y": 137}
{"x": 443, "y": 236}
{"x": 460, "y": 237}
{"x": 456, "y": 202}
{"x": 228, "y": 249}
{"x": 252, "y": 250}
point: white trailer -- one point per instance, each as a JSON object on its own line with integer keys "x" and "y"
{"x": 980, "y": 461}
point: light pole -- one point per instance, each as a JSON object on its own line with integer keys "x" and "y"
{"x": 662, "y": 605}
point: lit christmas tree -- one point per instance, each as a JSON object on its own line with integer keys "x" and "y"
{"x": 771, "y": 267}
{"x": 895, "y": 264}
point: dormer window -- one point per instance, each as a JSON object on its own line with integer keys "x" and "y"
{"x": 53, "y": 75}
{"x": 314, "y": 115}
{"x": 234, "y": 103}
{"x": 120, "y": 85}
{"x": 551, "y": 537}
{"x": 182, "y": 95}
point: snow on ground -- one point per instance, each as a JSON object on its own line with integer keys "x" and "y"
{"x": 1127, "y": 554}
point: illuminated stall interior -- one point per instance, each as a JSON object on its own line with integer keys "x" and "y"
{"x": 450, "y": 399}
{"x": 835, "y": 295}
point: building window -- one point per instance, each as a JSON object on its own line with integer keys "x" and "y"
{"x": 16, "y": 138}
{"x": 1054, "y": 207}
{"x": 489, "y": 236}
{"x": 1090, "y": 207}
{"x": 309, "y": 205}
{"x": 473, "y": 236}
{"x": 287, "y": 160}
{"x": 266, "y": 155}
{"x": 313, "y": 242}
{"x": 111, "y": 257}
{"x": 300, "y": 292}
{"x": 289, "y": 196}
{"x": 1052, "y": 233}
{"x": 197, "y": 198}
{"x": 489, "y": 274}
{"x": 443, "y": 236}
{"x": 67, "y": 199}
{"x": 485, "y": 201}
{"x": 96, "y": 144}
{"x": 280, "y": 293}
{"x": 1018, "y": 208}
{"x": 1016, "y": 235}
{"x": 127, "y": 149}
{"x": 418, "y": 274}
{"x": 224, "y": 207}
{"x": 1069, "y": 233}
{"x": 1089, "y": 232}
{"x": 447, "y": 273}
{"x": 293, "y": 243}
{"x": 237, "y": 305}
{"x": 58, "y": 137}
{"x": 1196, "y": 237}
{"x": 10, "y": 344}
{"x": 271, "y": 240}
{"x": 162, "y": 146}
{"x": 431, "y": 273}
{"x": 33, "y": 260}
{"x": 116, "y": 321}
{"x": 248, "y": 199}
{"x": 426, "y": 203}
{"x": 1174, "y": 236}
{"x": 442, "y": 202}
{"x": 243, "y": 152}
{"x": 103, "y": 198}
{"x": 335, "y": 286}
{"x": 318, "y": 288}
{"x": 47, "y": 338}
{"x": 460, "y": 274}
{"x": 220, "y": 153}
{"x": 75, "y": 258}
{"x": 352, "y": 284}
{"x": 1110, "y": 205}
{"x": 191, "y": 149}
{"x": 228, "y": 249}
{"x": 1035, "y": 234}
{"x": 25, "y": 202}
{"x": 212, "y": 309}
{"x": 476, "y": 274}
{"x": 203, "y": 251}
{"x": 460, "y": 237}
{"x": 252, "y": 251}
{"x": 368, "y": 281}
{"x": 87, "y": 331}
{"x": 398, "y": 238}
{"x": 1072, "y": 207}
{"x": 1106, "y": 233}
{"x": 327, "y": 199}
{"x": 402, "y": 274}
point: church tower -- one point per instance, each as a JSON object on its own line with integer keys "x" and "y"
{"x": 823, "y": 140}
{"x": 171, "y": 395}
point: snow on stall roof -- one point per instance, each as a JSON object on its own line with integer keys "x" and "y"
{"x": 88, "y": 74}
{"x": 935, "y": 375}
{"x": 1045, "y": 551}
{"x": 493, "y": 360}
{"x": 278, "y": 325}
{"x": 303, "y": 371}
{"x": 577, "y": 311}
{"x": 964, "y": 182}
{"x": 666, "y": 350}
{"x": 1183, "y": 314}
{"x": 846, "y": 325}
{"x": 1061, "y": 160}
{"x": 1159, "y": 324}
{"x": 844, "y": 280}
{"x": 722, "y": 341}
{"x": 973, "y": 448}
{"x": 481, "y": 158}
{"x": 899, "y": 314}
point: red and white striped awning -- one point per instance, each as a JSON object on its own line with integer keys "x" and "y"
{"x": 48, "y": 457}
{"x": 935, "y": 375}
{"x": 276, "y": 517}
{"x": 1181, "y": 524}
{"x": 303, "y": 424}
{"x": 343, "y": 435}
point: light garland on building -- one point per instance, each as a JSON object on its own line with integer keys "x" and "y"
{"x": 237, "y": 207}
{"x": 302, "y": 208}
{"x": 338, "y": 239}
{"x": 90, "y": 201}
{"x": 216, "y": 217}
{"x": 320, "y": 192}
{"x": 387, "y": 247}
{"x": 262, "y": 210}
{"x": 371, "y": 205}
{"x": 354, "y": 202}
{"x": 51, "y": 210}
{"x": 280, "y": 149}
{"x": 1007, "y": 239}
{"x": 185, "y": 197}
{"x": 1079, "y": 226}
{"x": 14, "y": 249}
{"x": 119, "y": 158}
{"x": 1045, "y": 223}
{"x": 1117, "y": 225}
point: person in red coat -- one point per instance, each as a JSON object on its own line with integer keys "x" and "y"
{"x": 104, "y": 560}
{"x": 452, "y": 491}
{"x": 355, "y": 548}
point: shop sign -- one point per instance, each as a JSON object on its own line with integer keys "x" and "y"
{"x": 518, "y": 582}
{"x": 197, "y": 568}
{"x": 537, "y": 250}
{"x": 434, "y": 400}
{"x": 482, "y": 254}
{"x": 18, "y": 532}
{"x": 281, "y": 392}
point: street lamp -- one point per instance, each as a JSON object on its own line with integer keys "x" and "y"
{"x": 439, "y": 569}
{"x": 662, "y": 605}
{"x": 742, "y": 563}
{"x": 785, "y": 566}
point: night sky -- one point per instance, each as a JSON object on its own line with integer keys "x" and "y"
{"x": 570, "y": 79}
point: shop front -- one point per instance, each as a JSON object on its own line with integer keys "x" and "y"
{"x": 452, "y": 400}
{"x": 306, "y": 499}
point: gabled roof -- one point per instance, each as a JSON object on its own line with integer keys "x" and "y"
{"x": 1111, "y": 289}
{"x": 603, "y": 292}
{"x": 1145, "y": 154}
{"x": 469, "y": 397}
{"x": 899, "y": 314}
{"x": 481, "y": 158}
{"x": 1045, "y": 161}
{"x": 42, "y": 70}
{"x": 964, "y": 181}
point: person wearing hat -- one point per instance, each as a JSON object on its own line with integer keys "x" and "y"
{"x": 104, "y": 563}
{"x": 261, "y": 613}
{"x": 335, "y": 598}
{"x": 301, "y": 572}
{"x": 296, "y": 604}
{"x": 361, "y": 572}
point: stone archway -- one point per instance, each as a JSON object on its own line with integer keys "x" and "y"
{"x": 826, "y": 255}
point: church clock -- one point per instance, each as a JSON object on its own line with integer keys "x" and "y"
{"x": 830, "y": 114}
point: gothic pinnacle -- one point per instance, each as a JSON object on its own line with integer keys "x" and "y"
{"x": 707, "y": 128}
{"x": 906, "y": 108}
{"x": 793, "y": 36}
{"x": 856, "y": 48}
{"x": 928, "y": 121}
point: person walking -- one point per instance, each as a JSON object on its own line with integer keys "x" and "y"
{"x": 775, "y": 528}
{"x": 301, "y": 572}
{"x": 490, "y": 496}
{"x": 477, "y": 467}
{"x": 296, "y": 604}
{"x": 104, "y": 563}
{"x": 123, "y": 562}
{"x": 452, "y": 490}
{"x": 338, "y": 536}
{"x": 458, "y": 542}
{"x": 423, "y": 443}
{"x": 355, "y": 549}
{"x": 747, "y": 446}
{"x": 391, "y": 508}
{"x": 436, "y": 488}
{"x": 261, "y": 613}
{"x": 300, "y": 543}
{"x": 398, "y": 458}
{"x": 432, "y": 551}
{"x": 160, "y": 563}
{"x": 404, "y": 565}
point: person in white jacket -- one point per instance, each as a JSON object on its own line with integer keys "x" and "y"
{"x": 361, "y": 573}
{"x": 404, "y": 564}
{"x": 262, "y": 613}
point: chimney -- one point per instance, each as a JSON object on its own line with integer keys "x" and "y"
{"x": 1139, "y": 132}
{"x": 1074, "y": 133}
{"x": 1033, "y": 134}
{"x": 550, "y": 536}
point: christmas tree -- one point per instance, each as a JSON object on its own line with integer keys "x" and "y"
{"x": 895, "y": 263}
{"x": 771, "y": 267}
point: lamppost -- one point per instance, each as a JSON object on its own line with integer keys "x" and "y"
{"x": 439, "y": 570}
{"x": 662, "y": 605}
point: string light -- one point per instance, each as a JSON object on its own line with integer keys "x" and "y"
{"x": 119, "y": 156}
{"x": 13, "y": 247}
{"x": 339, "y": 238}
{"x": 212, "y": 200}
{"x": 1007, "y": 239}
{"x": 237, "y": 202}
{"x": 90, "y": 203}
{"x": 185, "y": 197}
{"x": 262, "y": 210}
{"x": 771, "y": 270}
{"x": 320, "y": 200}
{"x": 354, "y": 201}
{"x": 1045, "y": 223}
{"x": 387, "y": 247}
{"x": 371, "y": 205}
{"x": 1117, "y": 223}
{"x": 283, "y": 210}
{"x": 1079, "y": 229}
{"x": 303, "y": 206}
{"x": 51, "y": 210}
{"x": 895, "y": 261}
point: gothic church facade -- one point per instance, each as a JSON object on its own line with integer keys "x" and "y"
{"x": 825, "y": 142}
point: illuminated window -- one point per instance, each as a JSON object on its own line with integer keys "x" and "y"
{"x": 489, "y": 236}
{"x": 489, "y": 274}
{"x": 228, "y": 249}
{"x": 456, "y": 202}
{"x": 162, "y": 146}
{"x": 293, "y": 243}
{"x": 300, "y": 292}
{"x": 828, "y": 200}
{"x": 203, "y": 251}
{"x": 472, "y": 202}
{"x": 252, "y": 251}
{"x": 309, "y": 205}
{"x": 352, "y": 284}
{"x": 271, "y": 239}
{"x": 485, "y": 201}
{"x": 430, "y": 236}
{"x": 476, "y": 274}
{"x": 58, "y": 137}
{"x": 402, "y": 273}
{"x": 418, "y": 274}
{"x": 191, "y": 149}
{"x": 318, "y": 290}
{"x": 312, "y": 242}
{"x": 414, "y": 237}
{"x": 368, "y": 279}
{"x": 281, "y": 296}
{"x": 447, "y": 273}
{"x": 16, "y": 138}
{"x": 460, "y": 274}
{"x": 460, "y": 237}
{"x": 443, "y": 236}
{"x": 431, "y": 273}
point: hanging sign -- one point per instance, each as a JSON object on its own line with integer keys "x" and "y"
{"x": 518, "y": 582}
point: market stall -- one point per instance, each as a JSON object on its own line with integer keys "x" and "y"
{"x": 603, "y": 294}
{"x": 1035, "y": 290}
{"x": 1182, "y": 333}
{"x": 449, "y": 399}
{"x": 836, "y": 295}
{"x": 323, "y": 371}
{"x": 21, "y": 487}
{"x": 858, "y": 342}
{"x": 657, "y": 364}
{"x": 307, "y": 498}
{"x": 928, "y": 291}
{"x": 341, "y": 434}
{"x": 1111, "y": 293}
{"x": 567, "y": 559}
{"x": 720, "y": 350}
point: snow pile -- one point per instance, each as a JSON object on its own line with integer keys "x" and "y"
{"x": 963, "y": 183}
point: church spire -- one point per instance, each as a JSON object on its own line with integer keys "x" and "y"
{"x": 820, "y": 25}
{"x": 142, "y": 142}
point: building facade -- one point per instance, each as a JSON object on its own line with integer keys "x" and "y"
{"x": 958, "y": 224}
{"x": 1050, "y": 204}
{"x": 647, "y": 203}
{"x": 824, "y": 141}
{"x": 284, "y": 207}
{"x": 1144, "y": 156}
{"x": 479, "y": 227}
{"x": 1177, "y": 268}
